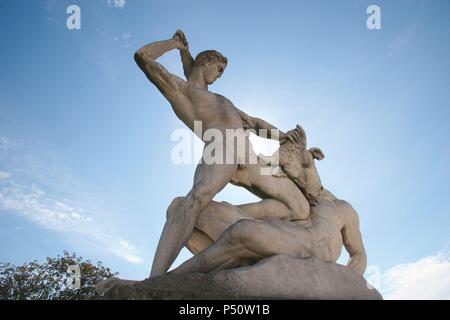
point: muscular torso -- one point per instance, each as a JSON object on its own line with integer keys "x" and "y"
{"x": 213, "y": 110}
{"x": 323, "y": 229}
{"x": 328, "y": 221}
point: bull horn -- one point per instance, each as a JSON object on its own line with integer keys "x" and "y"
{"x": 302, "y": 133}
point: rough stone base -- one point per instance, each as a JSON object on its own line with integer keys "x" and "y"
{"x": 279, "y": 277}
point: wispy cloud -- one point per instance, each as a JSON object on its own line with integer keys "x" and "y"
{"x": 4, "y": 175}
{"x": 117, "y": 3}
{"x": 124, "y": 38}
{"x": 26, "y": 196}
{"x": 50, "y": 5}
{"x": 6, "y": 144}
{"x": 106, "y": 34}
{"x": 406, "y": 36}
{"x": 427, "y": 278}
{"x": 32, "y": 202}
{"x": 52, "y": 12}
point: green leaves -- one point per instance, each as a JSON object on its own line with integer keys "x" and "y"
{"x": 48, "y": 281}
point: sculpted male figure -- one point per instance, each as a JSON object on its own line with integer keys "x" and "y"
{"x": 224, "y": 236}
{"x": 191, "y": 101}
{"x": 333, "y": 223}
{"x": 293, "y": 181}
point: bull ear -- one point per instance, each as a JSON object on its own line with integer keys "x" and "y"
{"x": 317, "y": 153}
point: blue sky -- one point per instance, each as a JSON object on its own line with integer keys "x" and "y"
{"x": 85, "y": 139}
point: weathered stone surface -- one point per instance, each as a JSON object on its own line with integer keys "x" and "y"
{"x": 279, "y": 277}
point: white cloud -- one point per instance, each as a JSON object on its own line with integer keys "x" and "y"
{"x": 23, "y": 193}
{"x": 4, "y": 175}
{"x": 33, "y": 203}
{"x": 50, "y": 5}
{"x": 427, "y": 278}
{"x": 124, "y": 38}
{"x": 61, "y": 216}
{"x": 6, "y": 144}
{"x": 117, "y": 3}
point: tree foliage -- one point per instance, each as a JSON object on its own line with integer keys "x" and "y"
{"x": 50, "y": 280}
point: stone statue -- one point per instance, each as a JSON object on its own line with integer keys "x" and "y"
{"x": 298, "y": 226}
{"x": 282, "y": 198}
{"x": 239, "y": 241}
{"x": 191, "y": 101}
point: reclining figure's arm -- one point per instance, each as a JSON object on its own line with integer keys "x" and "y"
{"x": 353, "y": 242}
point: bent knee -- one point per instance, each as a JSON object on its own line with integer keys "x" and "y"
{"x": 174, "y": 205}
{"x": 200, "y": 195}
{"x": 177, "y": 201}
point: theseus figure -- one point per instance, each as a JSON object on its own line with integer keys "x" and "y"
{"x": 192, "y": 101}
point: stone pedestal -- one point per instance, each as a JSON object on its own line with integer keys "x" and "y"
{"x": 278, "y": 277}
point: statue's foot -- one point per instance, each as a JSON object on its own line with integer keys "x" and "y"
{"x": 104, "y": 286}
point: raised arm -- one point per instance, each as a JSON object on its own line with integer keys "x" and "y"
{"x": 186, "y": 57}
{"x": 145, "y": 58}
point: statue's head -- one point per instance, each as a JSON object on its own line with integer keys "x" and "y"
{"x": 298, "y": 162}
{"x": 212, "y": 64}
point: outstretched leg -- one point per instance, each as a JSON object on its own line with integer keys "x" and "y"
{"x": 211, "y": 222}
{"x": 199, "y": 240}
{"x": 208, "y": 181}
{"x": 227, "y": 250}
{"x": 266, "y": 208}
{"x": 248, "y": 239}
{"x": 281, "y": 196}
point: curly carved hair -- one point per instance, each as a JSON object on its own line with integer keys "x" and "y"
{"x": 209, "y": 56}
